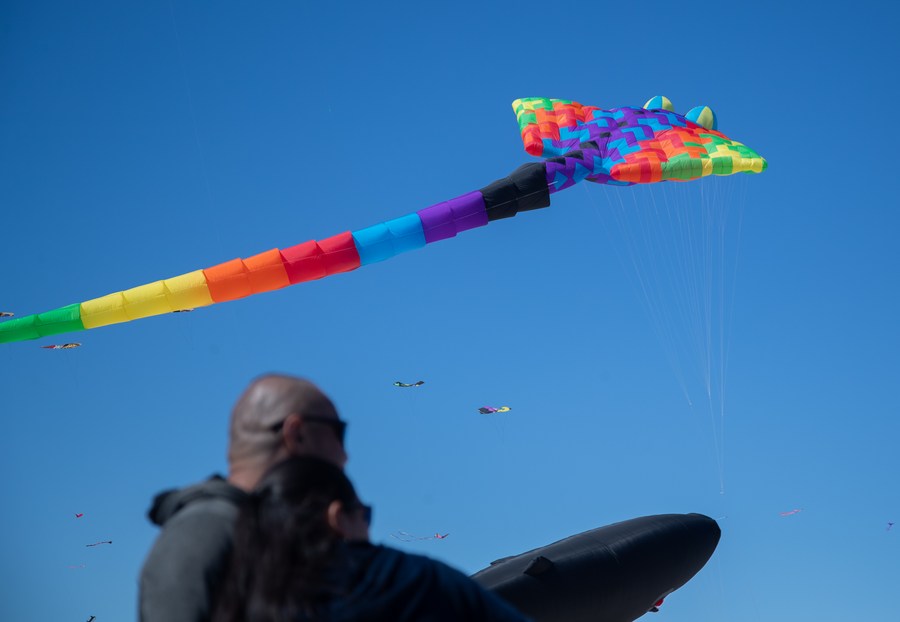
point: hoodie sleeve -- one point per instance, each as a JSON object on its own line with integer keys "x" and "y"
{"x": 404, "y": 587}
{"x": 474, "y": 602}
{"x": 183, "y": 569}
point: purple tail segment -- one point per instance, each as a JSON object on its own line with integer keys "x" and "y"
{"x": 448, "y": 218}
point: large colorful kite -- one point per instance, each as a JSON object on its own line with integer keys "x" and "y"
{"x": 621, "y": 146}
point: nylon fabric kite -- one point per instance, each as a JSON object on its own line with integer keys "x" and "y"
{"x": 6, "y": 314}
{"x": 791, "y": 512}
{"x": 408, "y": 537}
{"x": 490, "y": 410}
{"x": 406, "y": 385}
{"x": 620, "y": 146}
{"x": 62, "y": 346}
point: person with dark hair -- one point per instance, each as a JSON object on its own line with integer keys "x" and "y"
{"x": 276, "y": 417}
{"x": 302, "y": 554}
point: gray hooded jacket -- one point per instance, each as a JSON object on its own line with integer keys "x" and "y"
{"x": 183, "y": 568}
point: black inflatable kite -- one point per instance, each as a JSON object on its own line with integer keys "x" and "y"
{"x": 615, "y": 573}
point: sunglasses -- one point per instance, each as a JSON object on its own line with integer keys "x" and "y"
{"x": 366, "y": 511}
{"x": 338, "y": 426}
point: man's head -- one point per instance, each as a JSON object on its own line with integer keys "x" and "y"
{"x": 279, "y": 416}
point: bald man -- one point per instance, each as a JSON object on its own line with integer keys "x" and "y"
{"x": 276, "y": 417}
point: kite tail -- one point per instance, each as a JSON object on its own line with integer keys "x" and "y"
{"x": 527, "y": 188}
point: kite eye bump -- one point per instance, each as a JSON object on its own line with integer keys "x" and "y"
{"x": 659, "y": 102}
{"x": 703, "y": 116}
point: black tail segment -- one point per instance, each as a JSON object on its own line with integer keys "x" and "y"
{"x": 525, "y": 189}
{"x": 609, "y": 574}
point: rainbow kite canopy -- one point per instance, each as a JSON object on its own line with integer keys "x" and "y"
{"x": 622, "y": 146}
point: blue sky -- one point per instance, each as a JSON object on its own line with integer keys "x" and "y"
{"x": 145, "y": 140}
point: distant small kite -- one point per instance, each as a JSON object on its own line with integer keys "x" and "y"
{"x": 489, "y": 410}
{"x": 890, "y": 524}
{"x": 408, "y": 537}
{"x": 405, "y": 385}
{"x": 795, "y": 511}
{"x": 62, "y": 346}
{"x": 6, "y": 314}
{"x": 91, "y": 619}
{"x": 182, "y": 310}
{"x": 77, "y": 515}
{"x": 99, "y": 543}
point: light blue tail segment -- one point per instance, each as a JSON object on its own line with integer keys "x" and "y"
{"x": 390, "y": 238}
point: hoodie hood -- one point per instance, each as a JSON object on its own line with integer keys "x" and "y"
{"x": 169, "y": 502}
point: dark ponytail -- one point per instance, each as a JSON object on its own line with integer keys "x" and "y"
{"x": 283, "y": 545}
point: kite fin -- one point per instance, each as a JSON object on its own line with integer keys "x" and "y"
{"x": 539, "y": 565}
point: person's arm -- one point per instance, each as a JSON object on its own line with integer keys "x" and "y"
{"x": 475, "y": 602}
{"x": 182, "y": 570}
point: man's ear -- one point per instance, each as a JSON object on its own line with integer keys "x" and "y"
{"x": 291, "y": 433}
{"x": 335, "y": 515}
